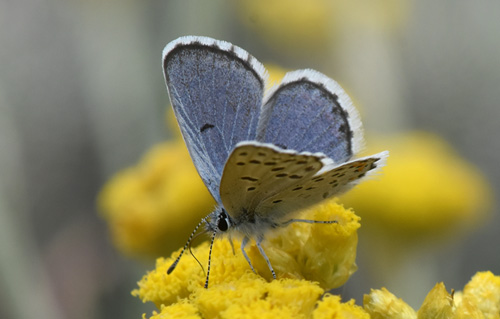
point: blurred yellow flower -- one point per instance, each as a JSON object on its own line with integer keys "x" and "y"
{"x": 150, "y": 208}
{"x": 276, "y": 74}
{"x": 424, "y": 192}
{"x": 479, "y": 299}
{"x": 310, "y": 26}
{"x": 307, "y": 258}
{"x": 294, "y": 24}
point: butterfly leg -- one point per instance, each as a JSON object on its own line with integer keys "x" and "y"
{"x": 295, "y": 220}
{"x": 263, "y": 253}
{"x": 244, "y": 242}
{"x": 232, "y": 245}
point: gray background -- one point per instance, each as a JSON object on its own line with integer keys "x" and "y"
{"x": 82, "y": 96}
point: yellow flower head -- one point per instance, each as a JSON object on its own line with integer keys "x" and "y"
{"x": 300, "y": 254}
{"x": 425, "y": 191}
{"x": 150, "y": 207}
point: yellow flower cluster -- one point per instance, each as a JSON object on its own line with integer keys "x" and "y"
{"x": 150, "y": 208}
{"x": 480, "y": 299}
{"x": 426, "y": 191}
{"x": 252, "y": 297}
{"x": 308, "y": 259}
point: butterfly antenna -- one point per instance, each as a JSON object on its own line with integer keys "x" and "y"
{"x": 188, "y": 243}
{"x": 210, "y": 257}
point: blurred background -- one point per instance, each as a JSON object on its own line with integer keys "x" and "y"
{"x": 82, "y": 97}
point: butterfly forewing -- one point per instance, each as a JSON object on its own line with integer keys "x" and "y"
{"x": 216, "y": 91}
{"x": 256, "y": 171}
{"x": 310, "y": 112}
{"x": 319, "y": 187}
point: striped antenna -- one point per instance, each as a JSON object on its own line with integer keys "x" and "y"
{"x": 188, "y": 243}
{"x": 210, "y": 257}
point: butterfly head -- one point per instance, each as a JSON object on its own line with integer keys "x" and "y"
{"x": 218, "y": 221}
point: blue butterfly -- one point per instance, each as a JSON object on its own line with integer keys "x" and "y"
{"x": 263, "y": 157}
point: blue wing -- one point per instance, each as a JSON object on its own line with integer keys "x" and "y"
{"x": 310, "y": 112}
{"x": 216, "y": 90}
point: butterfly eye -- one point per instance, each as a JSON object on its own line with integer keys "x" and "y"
{"x": 223, "y": 223}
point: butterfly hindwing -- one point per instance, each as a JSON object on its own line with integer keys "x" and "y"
{"x": 216, "y": 90}
{"x": 330, "y": 181}
{"x": 310, "y": 112}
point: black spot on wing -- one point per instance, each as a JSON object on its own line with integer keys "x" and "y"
{"x": 205, "y": 127}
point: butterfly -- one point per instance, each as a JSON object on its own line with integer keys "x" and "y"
{"x": 263, "y": 156}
